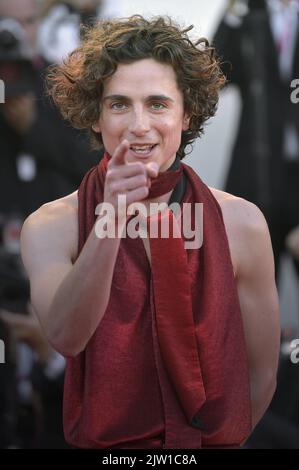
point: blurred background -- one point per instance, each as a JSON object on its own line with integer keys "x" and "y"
{"x": 251, "y": 148}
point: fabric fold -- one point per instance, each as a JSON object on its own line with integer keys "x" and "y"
{"x": 174, "y": 316}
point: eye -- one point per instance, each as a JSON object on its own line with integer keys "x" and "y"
{"x": 158, "y": 105}
{"x": 118, "y": 106}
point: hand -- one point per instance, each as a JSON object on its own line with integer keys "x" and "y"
{"x": 20, "y": 113}
{"x": 131, "y": 179}
{"x": 292, "y": 242}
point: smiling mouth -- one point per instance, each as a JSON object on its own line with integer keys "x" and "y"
{"x": 142, "y": 149}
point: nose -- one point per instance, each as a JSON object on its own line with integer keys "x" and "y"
{"x": 139, "y": 122}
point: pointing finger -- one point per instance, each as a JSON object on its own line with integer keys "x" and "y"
{"x": 118, "y": 157}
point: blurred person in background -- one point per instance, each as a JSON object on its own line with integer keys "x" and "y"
{"x": 59, "y": 31}
{"x": 41, "y": 159}
{"x": 293, "y": 242}
{"x": 258, "y": 43}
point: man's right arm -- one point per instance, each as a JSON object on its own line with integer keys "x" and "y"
{"x": 70, "y": 295}
{"x": 69, "y": 298}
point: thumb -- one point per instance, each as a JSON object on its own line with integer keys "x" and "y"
{"x": 152, "y": 169}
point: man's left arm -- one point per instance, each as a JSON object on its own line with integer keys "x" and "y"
{"x": 259, "y": 306}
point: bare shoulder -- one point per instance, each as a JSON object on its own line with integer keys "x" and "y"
{"x": 238, "y": 212}
{"x": 54, "y": 222}
{"x": 245, "y": 225}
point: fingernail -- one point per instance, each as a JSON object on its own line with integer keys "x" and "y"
{"x": 155, "y": 167}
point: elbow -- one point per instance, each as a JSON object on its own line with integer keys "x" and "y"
{"x": 272, "y": 388}
{"x": 67, "y": 341}
{"x": 270, "y": 384}
{"x": 268, "y": 392}
{"x": 68, "y": 351}
{"x": 261, "y": 396}
{"x": 67, "y": 346}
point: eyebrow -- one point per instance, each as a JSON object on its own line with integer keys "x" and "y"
{"x": 149, "y": 98}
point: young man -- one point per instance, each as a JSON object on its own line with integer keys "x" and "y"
{"x": 160, "y": 354}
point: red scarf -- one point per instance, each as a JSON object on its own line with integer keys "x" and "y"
{"x": 167, "y": 365}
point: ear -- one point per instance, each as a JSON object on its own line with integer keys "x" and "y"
{"x": 96, "y": 127}
{"x": 186, "y": 121}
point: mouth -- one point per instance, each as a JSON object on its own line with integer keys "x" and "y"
{"x": 142, "y": 150}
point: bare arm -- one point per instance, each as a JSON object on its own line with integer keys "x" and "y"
{"x": 259, "y": 305}
{"x": 70, "y": 297}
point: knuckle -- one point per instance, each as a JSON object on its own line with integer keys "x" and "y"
{"x": 109, "y": 174}
{"x": 113, "y": 189}
{"x": 143, "y": 190}
{"x": 110, "y": 164}
{"x": 139, "y": 167}
{"x": 143, "y": 179}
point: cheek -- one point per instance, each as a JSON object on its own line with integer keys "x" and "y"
{"x": 108, "y": 128}
{"x": 169, "y": 125}
{"x": 111, "y": 132}
{"x": 172, "y": 131}
{"x": 112, "y": 125}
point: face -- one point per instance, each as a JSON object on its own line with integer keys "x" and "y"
{"x": 142, "y": 103}
{"x": 25, "y": 13}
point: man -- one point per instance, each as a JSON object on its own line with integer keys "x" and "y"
{"x": 158, "y": 352}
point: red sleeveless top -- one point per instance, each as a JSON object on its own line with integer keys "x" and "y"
{"x": 150, "y": 379}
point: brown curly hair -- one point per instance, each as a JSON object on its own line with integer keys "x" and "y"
{"x": 77, "y": 85}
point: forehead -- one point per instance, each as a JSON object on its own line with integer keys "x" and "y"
{"x": 13, "y": 9}
{"x": 146, "y": 76}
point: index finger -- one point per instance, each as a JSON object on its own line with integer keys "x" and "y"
{"x": 118, "y": 157}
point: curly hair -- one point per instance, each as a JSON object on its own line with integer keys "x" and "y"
{"x": 76, "y": 86}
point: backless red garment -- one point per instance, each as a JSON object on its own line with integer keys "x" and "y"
{"x": 119, "y": 392}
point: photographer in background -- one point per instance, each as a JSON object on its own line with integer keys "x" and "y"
{"x": 41, "y": 159}
{"x": 59, "y": 31}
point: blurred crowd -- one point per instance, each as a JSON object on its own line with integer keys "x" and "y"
{"x": 42, "y": 158}
{"x": 258, "y": 43}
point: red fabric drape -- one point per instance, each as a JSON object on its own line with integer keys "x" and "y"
{"x": 167, "y": 365}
